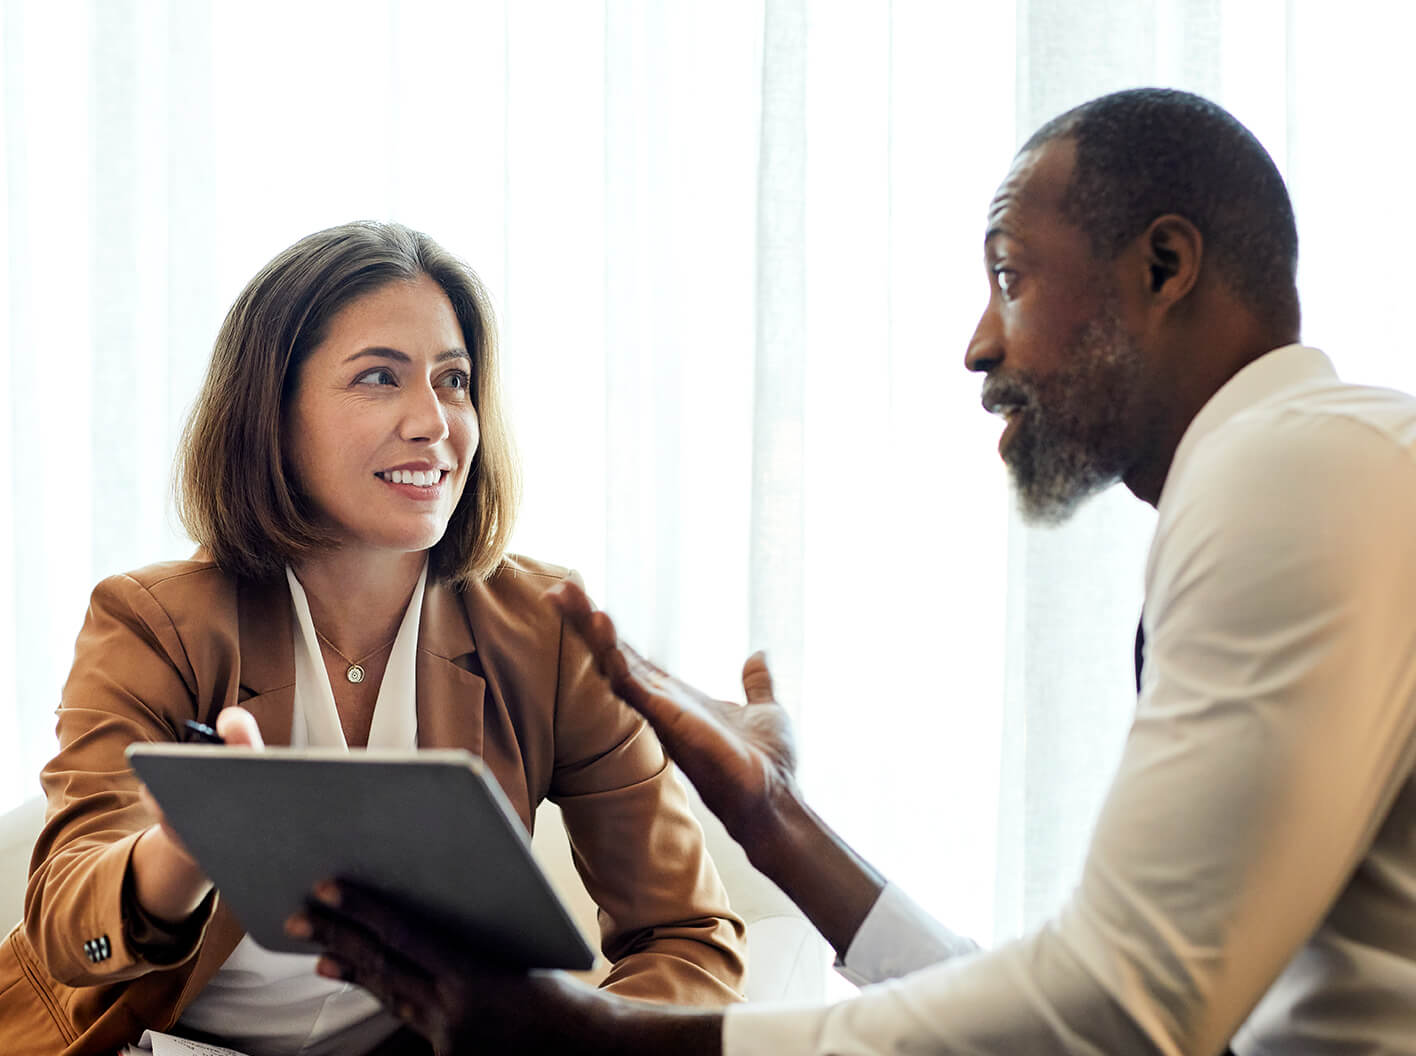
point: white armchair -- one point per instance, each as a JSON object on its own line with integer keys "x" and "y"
{"x": 18, "y": 829}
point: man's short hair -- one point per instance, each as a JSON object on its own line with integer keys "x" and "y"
{"x": 1146, "y": 152}
{"x": 237, "y": 494}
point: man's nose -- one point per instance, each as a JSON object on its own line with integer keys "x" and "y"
{"x": 985, "y": 349}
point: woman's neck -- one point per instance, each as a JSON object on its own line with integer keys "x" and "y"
{"x": 358, "y": 601}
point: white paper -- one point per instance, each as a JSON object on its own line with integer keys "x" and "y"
{"x": 153, "y": 1043}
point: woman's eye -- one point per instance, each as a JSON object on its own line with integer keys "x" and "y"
{"x": 1007, "y": 280}
{"x": 456, "y": 379}
{"x": 378, "y": 376}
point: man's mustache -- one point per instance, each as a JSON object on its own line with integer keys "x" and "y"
{"x": 1001, "y": 394}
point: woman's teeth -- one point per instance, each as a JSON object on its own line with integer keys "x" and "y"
{"x": 421, "y": 477}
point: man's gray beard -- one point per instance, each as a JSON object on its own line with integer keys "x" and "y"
{"x": 1072, "y": 442}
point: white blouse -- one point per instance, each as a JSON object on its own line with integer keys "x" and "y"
{"x": 274, "y": 1003}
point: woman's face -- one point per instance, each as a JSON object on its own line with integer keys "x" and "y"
{"x": 381, "y": 429}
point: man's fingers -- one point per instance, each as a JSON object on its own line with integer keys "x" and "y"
{"x": 352, "y": 958}
{"x": 590, "y": 623}
{"x": 594, "y": 627}
{"x": 642, "y": 685}
{"x": 631, "y": 679}
{"x": 360, "y": 933}
{"x": 238, "y": 726}
{"x": 757, "y": 680}
{"x": 599, "y": 633}
{"x": 388, "y": 922}
{"x": 570, "y": 598}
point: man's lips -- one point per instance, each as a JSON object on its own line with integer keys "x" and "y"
{"x": 1007, "y": 401}
{"x": 999, "y": 397}
{"x": 1014, "y": 416}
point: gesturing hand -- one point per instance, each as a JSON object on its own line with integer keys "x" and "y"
{"x": 739, "y": 758}
{"x": 742, "y": 761}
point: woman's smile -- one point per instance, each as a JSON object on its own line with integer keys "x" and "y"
{"x": 422, "y": 485}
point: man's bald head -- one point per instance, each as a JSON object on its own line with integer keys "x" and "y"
{"x": 1147, "y": 152}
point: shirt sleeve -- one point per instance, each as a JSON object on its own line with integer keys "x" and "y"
{"x": 1273, "y": 733}
{"x": 898, "y": 937}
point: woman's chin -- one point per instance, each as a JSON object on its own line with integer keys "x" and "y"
{"x": 395, "y": 543}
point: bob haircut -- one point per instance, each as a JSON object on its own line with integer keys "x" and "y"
{"x": 237, "y": 494}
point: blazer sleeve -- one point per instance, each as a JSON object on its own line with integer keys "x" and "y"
{"x": 664, "y": 917}
{"x": 130, "y": 676}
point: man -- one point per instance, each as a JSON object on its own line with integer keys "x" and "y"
{"x": 1253, "y": 870}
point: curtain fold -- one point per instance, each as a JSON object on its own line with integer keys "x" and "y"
{"x": 776, "y": 531}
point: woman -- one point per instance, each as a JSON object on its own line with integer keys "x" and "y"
{"x": 347, "y": 473}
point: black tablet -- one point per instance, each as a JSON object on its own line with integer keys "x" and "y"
{"x": 431, "y": 828}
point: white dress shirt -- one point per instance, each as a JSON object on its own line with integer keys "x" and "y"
{"x": 1252, "y": 874}
{"x": 274, "y": 1003}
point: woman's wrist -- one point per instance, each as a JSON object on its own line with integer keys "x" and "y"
{"x": 167, "y": 883}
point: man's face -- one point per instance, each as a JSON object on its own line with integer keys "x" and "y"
{"x": 1061, "y": 365}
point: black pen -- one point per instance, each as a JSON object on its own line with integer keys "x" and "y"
{"x": 200, "y": 731}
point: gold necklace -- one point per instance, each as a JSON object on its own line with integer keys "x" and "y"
{"x": 355, "y": 671}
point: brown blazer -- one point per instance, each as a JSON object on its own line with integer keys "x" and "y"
{"x": 496, "y": 674}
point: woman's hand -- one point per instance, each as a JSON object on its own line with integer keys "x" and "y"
{"x": 741, "y": 759}
{"x": 167, "y": 882}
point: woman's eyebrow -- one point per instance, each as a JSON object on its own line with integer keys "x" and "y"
{"x": 383, "y": 352}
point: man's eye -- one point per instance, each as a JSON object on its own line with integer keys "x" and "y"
{"x": 1007, "y": 280}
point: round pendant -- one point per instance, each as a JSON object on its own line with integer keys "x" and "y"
{"x": 355, "y": 674}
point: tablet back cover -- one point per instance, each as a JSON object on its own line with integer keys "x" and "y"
{"x": 430, "y": 828}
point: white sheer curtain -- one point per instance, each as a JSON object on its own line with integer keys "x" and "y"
{"x": 736, "y": 253}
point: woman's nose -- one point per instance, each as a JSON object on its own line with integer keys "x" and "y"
{"x": 425, "y": 418}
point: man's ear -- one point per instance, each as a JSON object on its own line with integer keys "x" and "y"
{"x": 1173, "y": 250}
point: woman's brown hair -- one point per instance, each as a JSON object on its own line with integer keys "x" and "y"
{"x": 236, "y": 493}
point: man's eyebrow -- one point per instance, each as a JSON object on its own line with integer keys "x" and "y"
{"x": 382, "y": 352}
{"x": 1000, "y": 218}
{"x": 995, "y": 232}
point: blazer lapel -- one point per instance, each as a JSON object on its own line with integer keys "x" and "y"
{"x": 450, "y": 683}
{"x": 267, "y": 658}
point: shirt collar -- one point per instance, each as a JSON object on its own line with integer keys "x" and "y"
{"x": 1272, "y": 373}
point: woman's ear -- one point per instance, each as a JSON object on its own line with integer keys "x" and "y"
{"x": 1173, "y": 250}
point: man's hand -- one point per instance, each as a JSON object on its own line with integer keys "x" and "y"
{"x": 432, "y": 981}
{"x": 741, "y": 759}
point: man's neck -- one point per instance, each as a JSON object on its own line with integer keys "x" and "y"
{"x": 1200, "y": 368}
